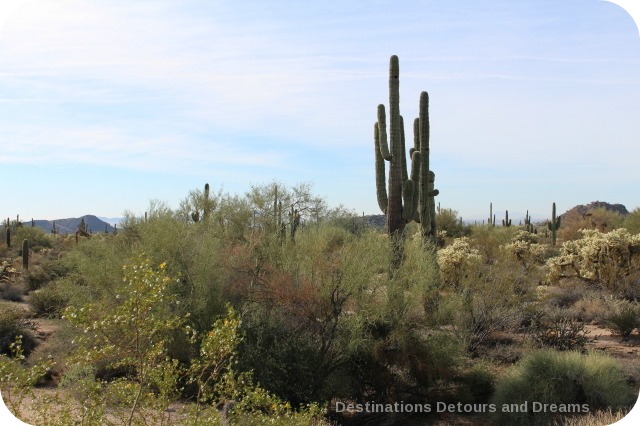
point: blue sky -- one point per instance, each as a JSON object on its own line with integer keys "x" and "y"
{"x": 105, "y": 105}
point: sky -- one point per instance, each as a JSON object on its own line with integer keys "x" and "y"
{"x": 105, "y": 105}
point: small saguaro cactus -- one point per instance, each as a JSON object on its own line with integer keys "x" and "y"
{"x": 25, "y": 254}
{"x": 206, "y": 209}
{"x": 294, "y": 219}
{"x": 8, "y": 232}
{"x": 54, "y": 231}
{"x": 492, "y": 217}
{"x": 554, "y": 224}
{"x": 506, "y": 221}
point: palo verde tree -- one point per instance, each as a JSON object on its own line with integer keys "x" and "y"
{"x": 408, "y": 197}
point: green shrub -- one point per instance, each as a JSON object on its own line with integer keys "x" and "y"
{"x": 632, "y": 221}
{"x": 550, "y": 377}
{"x": 12, "y": 325}
{"x": 476, "y": 385}
{"x": 623, "y": 317}
{"x": 447, "y": 220}
{"x": 39, "y": 274}
{"x": 48, "y": 302}
{"x": 38, "y": 239}
{"x": 488, "y": 240}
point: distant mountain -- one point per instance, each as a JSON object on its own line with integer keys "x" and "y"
{"x": 111, "y": 220}
{"x": 70, "y": 225}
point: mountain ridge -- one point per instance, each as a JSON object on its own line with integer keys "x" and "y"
{"x": 70, "y": 225}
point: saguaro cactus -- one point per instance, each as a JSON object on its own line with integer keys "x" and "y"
{"x": 407, "y": 197}
{"x": 554, "y": 224}
{"x": 492, "y": 216}
{"x": 206, "y": 209}
{"x": 25, "y": 254}
{"x": 8, "y": 236}
{"x": 506, "y": 221}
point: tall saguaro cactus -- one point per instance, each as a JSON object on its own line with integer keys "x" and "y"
{"x": 554, "y": 224}
{"x": 408, "y": 197}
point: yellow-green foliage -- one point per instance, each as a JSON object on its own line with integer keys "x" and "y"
{"x": 632, "y": 221}
{"x": 17, "y": 380}
{"x": 38, "y": 239}
{"x": 623, "y": 317}
{"x": 133, "y": 333}
{"x": 489, "y": 239}
{"x": 550, "y": 377}
{"x": 611, "y": 259}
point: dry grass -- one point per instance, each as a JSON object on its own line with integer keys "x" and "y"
{"x": 597, "y": 418}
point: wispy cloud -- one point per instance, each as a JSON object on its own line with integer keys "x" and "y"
{"x": 195, "y": 87}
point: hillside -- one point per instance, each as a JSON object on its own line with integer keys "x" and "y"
{"x": 579, "y": 211}
{"x": 70, "y": 225}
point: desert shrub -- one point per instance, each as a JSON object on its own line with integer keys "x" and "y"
{"x": 196, "y": 253}
{"x": 632, "y": 221}
{"x": 285, "y": 362}
{"x": 611, "y": 259}
{"x": 476, "y": 385}
{"x": 622, "y": 318}
{"x": 556, "y": 329}
{"x": 447, "y": 220}
{"x": 48, "y": 301}
{"x": 38, "y": 239}
{"x": 565, "y": 296}
{"x": 11, "y": 286}
{"x": 16, "y": 379}
{"x": 550, "y": 377}
{"x": 13, "y": 324}
{"x": 95, "y": 270}
{"x": 590, "y": 308}
{"x": 489, "y": 300}
{"x": 36, "y": 277}
{"x": 488, "y": 240}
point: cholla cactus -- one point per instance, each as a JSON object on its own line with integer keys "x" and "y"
{"x": 456, "y": 260}
{"x": 525, "y": 247}
{"x": 608, "y": 258}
